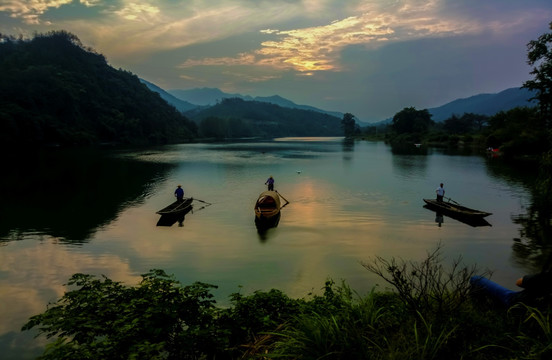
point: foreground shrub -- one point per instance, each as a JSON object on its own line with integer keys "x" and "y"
{"x": 426, "y": 287}
{"x": 430, "y": 315}
{"x": 158, "y": 319}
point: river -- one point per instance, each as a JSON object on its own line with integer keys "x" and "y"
{"x": 82, "y": 211}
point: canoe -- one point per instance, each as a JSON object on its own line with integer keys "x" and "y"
{"x": 267, "y": 205}
{"x": 453, "y": 208}
{"x": 169, "y": 219}
{"x": 176, "y": 207}
{"x": 474, "y": 221}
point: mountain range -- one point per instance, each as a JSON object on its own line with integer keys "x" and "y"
{"x": 485, "y": 104}
{"x": 193, "y": 100}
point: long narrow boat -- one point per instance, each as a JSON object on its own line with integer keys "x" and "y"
{"x": 474, "y": 221}
{"x": 170, "y": 219}
{"x": 456, "y": 209}
{"x": 176, "y": 207}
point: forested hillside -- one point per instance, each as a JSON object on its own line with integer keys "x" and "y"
{"x": 54, "y": 91}
{"x": 235, "y": 117}
{"x": 211, "y": 96}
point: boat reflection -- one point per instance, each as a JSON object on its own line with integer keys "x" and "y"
{"x": 471, "y": 221}
{"x": 171, "y": 219}
{"x": 264, "y": 225}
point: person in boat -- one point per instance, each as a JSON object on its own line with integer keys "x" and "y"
{"x": 270, "y": 183}
{"x": 440, "y": 192}
{"x": 179, "y": 193}
{"x": 535, "y": 287}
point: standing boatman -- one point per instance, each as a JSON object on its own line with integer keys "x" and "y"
{"x": 270, "y": 183}
{"x": 440, "y": 193}
{"x": 179, "y": 193}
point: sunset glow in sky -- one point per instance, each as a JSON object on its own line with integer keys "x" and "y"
{"x": 369, "y": 58}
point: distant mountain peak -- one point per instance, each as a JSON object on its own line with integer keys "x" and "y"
{"x": 205, "y": 96}
{"x": 485, "y": 104}
{"x": 179, "y": 104}
{"x": 211, "y": 96}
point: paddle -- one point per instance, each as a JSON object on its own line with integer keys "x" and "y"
{"x": 287, "y": 202}
{"x": 203, "y": 201}
{"x": 449, "y": 200}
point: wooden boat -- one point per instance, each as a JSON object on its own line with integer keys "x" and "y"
{"x": 176, "y": 207}
{"x": 170, "y": 219}
{"x": 474, "y": 221}
{"x": 451, "y": 207}
{"x": 267, "y": 206}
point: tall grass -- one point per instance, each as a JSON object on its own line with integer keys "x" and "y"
{"x": 428, "y": 342}
{"x": 534, "y": 335}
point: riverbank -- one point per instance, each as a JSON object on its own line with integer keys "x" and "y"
{"x": 433, "y": 314}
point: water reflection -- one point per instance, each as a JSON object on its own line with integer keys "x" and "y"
{"x": 533, "y": 249}
{"x": 439, "y": 218}
{"x": 471, "y": 221}
{"x": 265, "y": 227}
{"x": 408, "y": 165}
{"x": 341, "y": 212}
{"x": 171, "y": 219}
{"x": 522, "y": 174}
{"x": 407, "y": 148}
{"x": 70, "y": 194}
{"x": 348, "y": 147}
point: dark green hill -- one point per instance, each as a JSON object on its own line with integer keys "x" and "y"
{"x": 234, "y": 117}
{"x": 211, "y": 96}
{"x": 53, "y": 90}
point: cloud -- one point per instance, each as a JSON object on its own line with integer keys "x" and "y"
{"x": 240, "y": 59}
{"x": 129, "y": 27}
{"x": 281, "y": 45}
{"x": 318, "y": 48}
{"x": 139, "y": 12}
{"x": 307, "y": 50}
{"x": 30, "y": 11}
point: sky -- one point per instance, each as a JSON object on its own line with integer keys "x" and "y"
{"x": 369, "y": 58}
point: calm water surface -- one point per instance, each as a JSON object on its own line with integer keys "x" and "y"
{"x": 349, "y": 202}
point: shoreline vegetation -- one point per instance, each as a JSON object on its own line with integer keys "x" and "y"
{"x": 516, "y": 134}
{"x": 431, "y": 314}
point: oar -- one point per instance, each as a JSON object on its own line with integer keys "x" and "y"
{"x": 449, "y": 199}
{"x": 287, "y": 202}
{"x": 203, "y": 201}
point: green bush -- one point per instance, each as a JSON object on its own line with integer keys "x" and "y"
{"x": 103, "y": 319}
{"x": 430, "y": 315}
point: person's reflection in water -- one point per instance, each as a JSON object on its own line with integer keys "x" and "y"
{"x": 170, "y": 219}
{"x": 181, "y": 220}
{"x": 439, "y": 219}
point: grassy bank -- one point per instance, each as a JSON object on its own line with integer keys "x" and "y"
{"x": 432, "y": 314}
